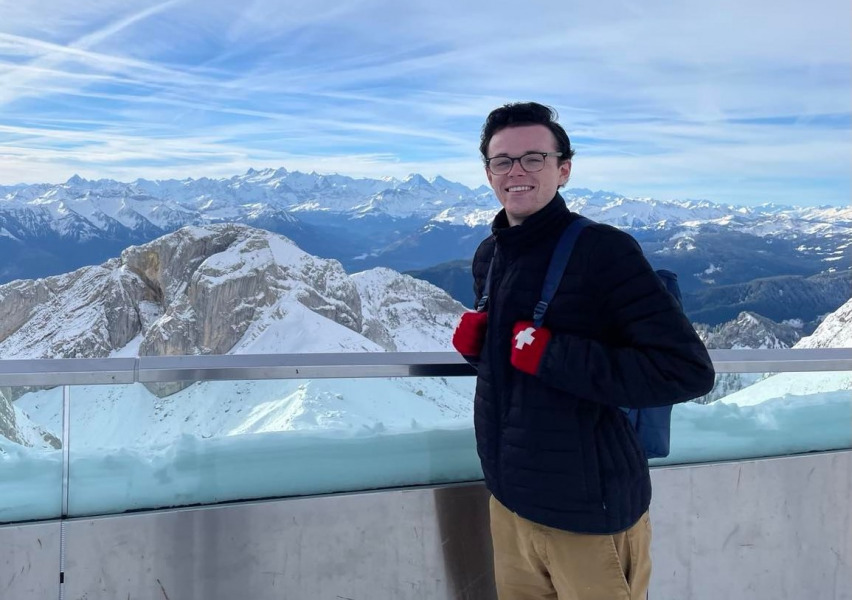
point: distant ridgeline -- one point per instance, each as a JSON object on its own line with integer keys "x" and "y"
{"x": 778, "y": 262}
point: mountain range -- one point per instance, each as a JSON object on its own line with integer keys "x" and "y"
{"x": 781, "y": 262}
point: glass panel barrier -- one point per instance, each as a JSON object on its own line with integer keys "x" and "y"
{"x": 772, "y": 415}
{"x": 30, "y": 453}
{"x": 134, "y": 447}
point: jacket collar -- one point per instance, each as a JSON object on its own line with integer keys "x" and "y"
{"x": 540, "y": 225}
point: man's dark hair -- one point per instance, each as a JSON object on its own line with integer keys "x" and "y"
{"x": 518, "y": 114}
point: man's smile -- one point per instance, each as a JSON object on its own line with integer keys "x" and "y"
{"x": 519, "y": 188}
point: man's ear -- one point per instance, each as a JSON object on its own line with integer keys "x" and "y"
{"x": 564, "y": 172}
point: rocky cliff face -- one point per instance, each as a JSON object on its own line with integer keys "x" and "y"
{"x": 214, "y": 290}
{"x": 835, "y": 331}
{"x": 394, "y": 321}
{"x": 97, "y": 306}
{"x": 213, "y": 283}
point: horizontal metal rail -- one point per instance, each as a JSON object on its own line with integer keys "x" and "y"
{"x": 159, "y": 369}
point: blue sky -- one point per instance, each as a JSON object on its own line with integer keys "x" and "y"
{"x": 734, "y": 101}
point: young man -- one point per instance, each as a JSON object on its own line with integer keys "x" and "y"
{"x": 569, "y": 480}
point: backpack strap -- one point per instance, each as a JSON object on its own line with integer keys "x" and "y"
{"x": 483, "y": 301}
{"x": 558, "y": 263}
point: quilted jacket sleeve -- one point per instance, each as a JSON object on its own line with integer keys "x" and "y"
{"x": 658, "y": 358}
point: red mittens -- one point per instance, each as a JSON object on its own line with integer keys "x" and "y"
{"x": 470, "y": 333}
{"x": 528, "y": 345}
{"x": 528, "y": 342}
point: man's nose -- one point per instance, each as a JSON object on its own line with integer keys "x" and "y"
{"x": 516, "y": 168}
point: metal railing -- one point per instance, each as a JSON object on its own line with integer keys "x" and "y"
{"x": 158, "y": 369}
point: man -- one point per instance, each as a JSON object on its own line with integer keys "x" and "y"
{"x": 569, "y": 480}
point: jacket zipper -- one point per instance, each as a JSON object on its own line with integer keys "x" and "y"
{"x": 494, "y": 351}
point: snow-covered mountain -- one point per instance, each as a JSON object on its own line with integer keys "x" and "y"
{"x": 747, "y": 331}
{"x": 401, "y": 224}
{"x": 750, "y": 330}
{"x": 173, "y": 203}
{"x": 648, "y": 213}
{"x": 834, "y": 332}
{"x": 222, "y": 289}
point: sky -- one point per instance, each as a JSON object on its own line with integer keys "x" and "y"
{"x": 734, "y": 101}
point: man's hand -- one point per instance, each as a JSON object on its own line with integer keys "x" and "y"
{"x": 528, "y": 345}
{"x": 470, "y": 333}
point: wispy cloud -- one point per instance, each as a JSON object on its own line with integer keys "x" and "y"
{"x": 737, "y": 101}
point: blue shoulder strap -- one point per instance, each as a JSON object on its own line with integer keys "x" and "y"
{"x": 483, "y": 301}
{"x": 556, "y": 268}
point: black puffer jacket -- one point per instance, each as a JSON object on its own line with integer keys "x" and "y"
{"x": 555, "y": 448}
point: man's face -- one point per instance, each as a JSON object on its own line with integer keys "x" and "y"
{"x": 523, "y": 194}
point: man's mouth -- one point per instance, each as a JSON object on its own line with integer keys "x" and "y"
{"x": 519, "y": 188}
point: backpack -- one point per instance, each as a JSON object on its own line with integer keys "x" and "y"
{"x": 652, "y": 425}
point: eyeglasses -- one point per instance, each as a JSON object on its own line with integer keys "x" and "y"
{"x": 531, "y": 162}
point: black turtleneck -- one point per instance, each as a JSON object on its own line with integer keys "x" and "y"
{"x": 545, "y": 224}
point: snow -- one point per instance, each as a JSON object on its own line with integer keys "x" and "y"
{"x": 192, "y": 470}
{"x": 130, "y": 350}
{"x": 6, "y": 233}
{"x": 835, "y": 331}
{"x": 790, "y": 424}
{"x": 77, "y": 310}
{"x": 789, "y": 385}
{"x": 226, "y": 440}
{"x": 112, "y": 417}
{"x": 289, "y": 327}
{"x": 465, "y": 216}
{"x": 416, "y": 317}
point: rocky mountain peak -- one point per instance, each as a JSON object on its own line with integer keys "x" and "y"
{"x": 750, "y": 330}
{"x": 221, "y": 289}
{"x": 394, "y": 321}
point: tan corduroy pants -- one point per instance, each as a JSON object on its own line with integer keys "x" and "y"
{"x": 534, "y": 562}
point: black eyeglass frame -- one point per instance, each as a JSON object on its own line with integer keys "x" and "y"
{"x": 544, "y": 156}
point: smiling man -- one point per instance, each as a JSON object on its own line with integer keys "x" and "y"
{"x": 568, "y": 476}
{"x": 525, "y": 166}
